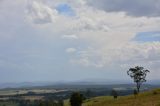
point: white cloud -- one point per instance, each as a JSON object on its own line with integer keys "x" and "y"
{"x": 71, "y": 50}
{"x": 70, "y": 37}
{"x": 40, "y": 13}
{"x": 129, "y": 54}
{"x": 108, "y": 35}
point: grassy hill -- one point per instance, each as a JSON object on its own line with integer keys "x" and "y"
{"x": 149, "y": 98}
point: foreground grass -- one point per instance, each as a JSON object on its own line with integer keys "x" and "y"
{"x": 151, "y": 98}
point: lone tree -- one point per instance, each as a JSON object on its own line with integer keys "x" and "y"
{"x": 76, "y": 99}
{"x": 138, "y": 74}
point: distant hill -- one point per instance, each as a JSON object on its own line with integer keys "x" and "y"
{"x": 80, "y": 82}
{"x": 148, "y": 98}
{"x": 23, "y": 84}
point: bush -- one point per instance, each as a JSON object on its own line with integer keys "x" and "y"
{"x": 114, "y": 94}
{"x": 76, "y": 99}
{"x": 155, "y": 92}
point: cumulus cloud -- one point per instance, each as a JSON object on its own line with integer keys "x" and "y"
{"x": 109, "y": 34}
{"x": 148, "y": 8}
{"x": 40, "y": 13}
{"x": 129, "y": 54}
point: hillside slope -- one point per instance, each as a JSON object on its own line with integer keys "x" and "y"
{"x": 149, "y": 98}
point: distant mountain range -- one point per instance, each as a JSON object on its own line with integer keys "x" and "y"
{"x": 23, "y": 84}
{"x": 81, "y": 82}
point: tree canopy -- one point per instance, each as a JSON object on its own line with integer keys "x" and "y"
{"x": 138, "y": 74}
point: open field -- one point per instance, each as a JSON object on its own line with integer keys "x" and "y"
{"x": 10, "y": 92}
{"x": 32, "y": 98}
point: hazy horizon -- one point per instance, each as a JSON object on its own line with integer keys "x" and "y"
{"x": 73, "y": 40}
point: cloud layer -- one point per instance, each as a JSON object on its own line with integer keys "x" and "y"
{"x": 99, "y": 36}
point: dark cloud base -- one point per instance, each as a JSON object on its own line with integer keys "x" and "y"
{"x": 149, "y": 8}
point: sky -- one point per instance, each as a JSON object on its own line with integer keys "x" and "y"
{"x": 71, "y": 40}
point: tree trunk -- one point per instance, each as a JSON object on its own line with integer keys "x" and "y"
{"x": 138, "y": 87}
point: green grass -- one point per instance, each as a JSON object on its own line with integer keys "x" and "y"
{"x": 150, "y": 98}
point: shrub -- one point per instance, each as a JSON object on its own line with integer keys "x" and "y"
{"x": 114, "y": 94}
{"x": 155, "y": 92}
{"x": 76, "y": 99}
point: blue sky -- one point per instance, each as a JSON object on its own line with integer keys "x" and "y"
{"x": 56, "y": 40}
{"x": 148, "y": 37}
{"x": 65, "y": 9}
